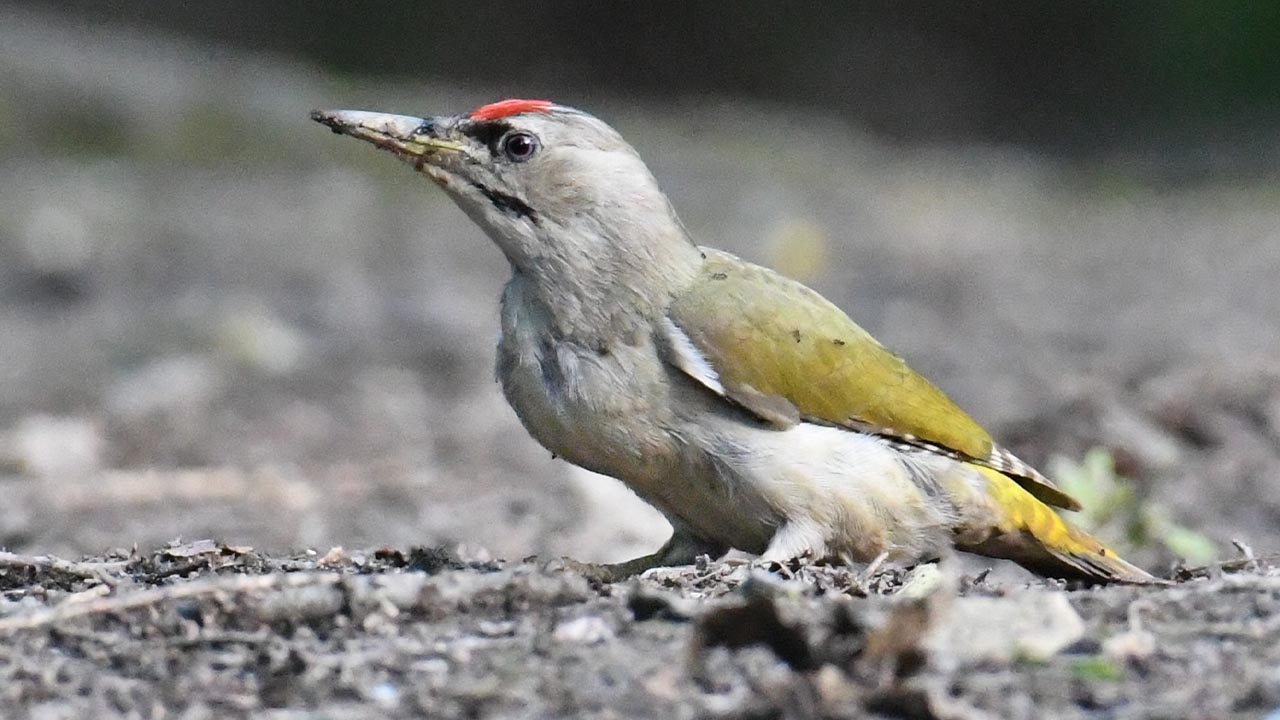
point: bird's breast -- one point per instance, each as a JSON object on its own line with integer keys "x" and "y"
{"x": 602, "y": 406}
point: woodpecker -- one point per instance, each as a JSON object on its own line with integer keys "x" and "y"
{"x": 753, "y": 413}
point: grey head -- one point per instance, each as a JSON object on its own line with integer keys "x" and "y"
{"x": 570, "y": 203}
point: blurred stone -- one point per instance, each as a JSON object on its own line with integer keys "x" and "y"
{"x": 496, "y": 628}
{"x": 335, "y": 556}
{"x": 664, "y": 683}
{"x": 191, "y": 549}
{"x": 585, "y": 630}
{"x": 923, "y": 581}
{"x": 385, "y": 695}
{"x": 52, "y": 446}
{"x": 1134, "y": 644}
{"x": 166, "y": 383}
{"x": 259, "y": 338}
{"x": 1029, "y": 625}
{"x": 834, "y": 688}
{"x": 56, "y": 240}
{"x": 297, "y": 604}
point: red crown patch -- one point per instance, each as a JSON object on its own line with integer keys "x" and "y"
{"x": 506, "y": 108}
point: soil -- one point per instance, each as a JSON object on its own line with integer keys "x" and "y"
{"x": 218, "y": 320}
{"x": 208, "y": 630}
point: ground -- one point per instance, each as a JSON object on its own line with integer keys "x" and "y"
{"x": 218, "y": 320}
{"x": 203, "y": 630}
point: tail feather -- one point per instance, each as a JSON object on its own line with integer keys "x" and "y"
{"x": 1031, "y": 534}
{"x": 1096, "y": 561}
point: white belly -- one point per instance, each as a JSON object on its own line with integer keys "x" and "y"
{"x": 842, "y": 493}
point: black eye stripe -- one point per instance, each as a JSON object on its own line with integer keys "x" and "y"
{"x": 496, "y": 135}
{"x": 487, "y": 133}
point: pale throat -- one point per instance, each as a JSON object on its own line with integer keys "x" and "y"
{"x": 600, "y": 293}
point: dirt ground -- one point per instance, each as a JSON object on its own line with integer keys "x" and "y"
{"x": 203, "y": 630}
{"x": 220, "y": 321}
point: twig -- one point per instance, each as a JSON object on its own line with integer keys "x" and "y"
{"x": 100, "y": 571}
{"x": 155, "y": 596}
{"x": 1248, "y": 562}
{"x": 1245, "y": 550}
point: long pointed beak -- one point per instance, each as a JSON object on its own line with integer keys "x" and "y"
{"x": 413, "y": 138}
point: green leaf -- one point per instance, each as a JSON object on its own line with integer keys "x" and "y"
{"x": 1096, "y": 668}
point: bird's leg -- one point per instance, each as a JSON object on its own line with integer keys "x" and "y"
{"x": 873, "y": 567}
{"x": 795, "y": 540}
{"x": 681, "y": 549}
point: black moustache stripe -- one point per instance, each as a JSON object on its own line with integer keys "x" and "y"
{"x": 508, "y": 203}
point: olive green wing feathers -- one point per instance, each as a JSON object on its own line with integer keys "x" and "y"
{"x": 785, "y": 354}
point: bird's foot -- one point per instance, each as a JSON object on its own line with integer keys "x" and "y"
{"x": 681, "y": 549}
{"x": 602, "y": 573}
{"x": 873, "y": 567}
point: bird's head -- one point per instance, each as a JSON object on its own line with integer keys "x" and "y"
{"x": 557, "y": 189}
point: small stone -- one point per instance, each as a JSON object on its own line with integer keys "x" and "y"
{"x": 335, "y": 556}
{"x": 191, "y": 549}
{"x": 386, "y": 695}
{"x": 431, "y": 666}
{"x": 300, "y": 604}
{"x": 496, "y": 628}
{"x": 664, "y": 683}
{"x": 258, "y": 338}
{"x": 58, "y": 238}
{"x": 834, "y": 688}
{"x": 586, "y": 630}
{"x": 52, "y": 446}
{"x": 923, "y": 581}
{"x": 166, "y": 384}
{"x": 1031, "y": 625}
{"x": 1130, "y": 645}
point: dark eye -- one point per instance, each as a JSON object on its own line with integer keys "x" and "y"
{"x": 520, "y": 146}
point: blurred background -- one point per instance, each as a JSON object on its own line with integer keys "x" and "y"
{"x": 217, "y": 319}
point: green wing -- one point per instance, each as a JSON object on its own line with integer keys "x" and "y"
{"x": 785, "y": 353}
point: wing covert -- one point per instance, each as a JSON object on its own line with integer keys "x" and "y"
{"x": 785, "y": 353}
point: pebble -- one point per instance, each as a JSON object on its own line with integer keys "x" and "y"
{"x": 586, "y": 630}
{"x": 54, "y": 446}
{"x": 1030, "y": 625}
